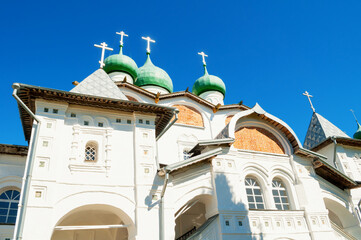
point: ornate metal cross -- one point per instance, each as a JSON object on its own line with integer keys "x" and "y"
{"x": 309, "y": 99}
{"x": 149, "y": 40}
{"x": 122, "y": 34}
{"x": 104, "y": 47}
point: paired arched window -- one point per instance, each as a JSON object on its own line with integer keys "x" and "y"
{"x": 280, "y": 195}
{"x": 9, "y": 201}
{"x": 255, "y": 196}
{"x": 91, "y": 152}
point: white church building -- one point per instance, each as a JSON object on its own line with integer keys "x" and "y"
{"x": 122, "y": 156}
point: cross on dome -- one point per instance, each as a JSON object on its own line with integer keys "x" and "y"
{"x": 309, "y": 99}
{"x": 122, "y": 34}
{"x": 149, "y": 40}
{"x": 104, "y": 47}
{"x": 353, "y": 113}
{"x": 203, "y": 57}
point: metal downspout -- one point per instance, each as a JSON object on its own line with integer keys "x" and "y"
{"x": 161, "y": 208}
{"x": 334, "y": 151}
{"x": 19, "y": 226}
{"x": 166, "y": 178}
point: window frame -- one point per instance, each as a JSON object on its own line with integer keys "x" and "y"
{"x": 95, "y": 147}
{"x": 13, "y": 203}
{"x": 254, "y": 190}
{"x": 278, "y": 188}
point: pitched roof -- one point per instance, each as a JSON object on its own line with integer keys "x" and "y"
{"x": 99, "y": 84}
{"x": 28, "y": 94}
{"x": 123, "y": 84}
{"x": 320, "y": 129}
{"x": 13, "y": 149}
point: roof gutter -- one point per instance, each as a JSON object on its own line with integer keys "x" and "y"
{"x": 25, "y": 188}
{"x": 175, "y": 113}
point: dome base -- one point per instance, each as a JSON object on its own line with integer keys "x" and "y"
{"x": 155, "y": 89}
{"x": 119, "y": 77}
{"x": 214, "y": 97}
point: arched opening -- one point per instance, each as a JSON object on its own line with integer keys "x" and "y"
{"x": 92, "y": 222}
{"x": 342, "y": 220}
{"x": 192, "y": 216}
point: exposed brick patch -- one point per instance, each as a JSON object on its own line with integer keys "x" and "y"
{"x": 188, "y": 115}
{"x": 257, "y": 139}
{"x": 131, "y": 98}
{"x": 228, "y": 119}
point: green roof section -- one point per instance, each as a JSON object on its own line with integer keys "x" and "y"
{"x": 121, "y": 63}
{"x": 208, "y": 83}
{"x": 357, "y": 134}
{"x": 152, "y": 75}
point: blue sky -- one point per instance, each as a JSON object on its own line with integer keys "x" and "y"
{"x": 268, "y": 52}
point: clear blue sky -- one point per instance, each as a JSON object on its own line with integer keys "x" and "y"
{"x": 268, "y": 52}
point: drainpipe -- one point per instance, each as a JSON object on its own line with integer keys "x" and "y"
{"x": 25, "y": 189}
{"x": 161, "y": 208}
{"x": 333, "y": 138}
{"x": 162, "y": 172}
{"x": 175, "y": 114}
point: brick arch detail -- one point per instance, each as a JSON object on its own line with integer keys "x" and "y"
{"x": 189, "y": 116}
{"x": 257, "y": 139}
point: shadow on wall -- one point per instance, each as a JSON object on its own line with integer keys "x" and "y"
{"x": 233, "y": 212}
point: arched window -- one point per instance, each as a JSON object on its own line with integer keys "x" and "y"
{"x": 91, "y": 152}
{"x": 9, "y": 201}
{"x": 280, "y": 195}
{"x": 254, "y": 194}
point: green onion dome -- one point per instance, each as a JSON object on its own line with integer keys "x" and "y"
{"x": 149, "y": 74}
{"x": 120, "y": 63}
{"x": 208, "y": 83}
{"x": 357, "y": 134}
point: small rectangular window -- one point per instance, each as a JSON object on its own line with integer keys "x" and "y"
{"x": 86, "y": 123}
{"x": 100, "y": 124}
{"x": 140, "y": 120}
{"x": 46, "y": 109}
{"x": 55, "y": 111}
{"x": 38, "y": 194}
{"x": 118, "y": 120}
{"x": 227, "y": 223}
{"x": 129, "y": 121}
{"x": 45, "y": 143}
{"x": 73, "y": 115}
{"x": 147, "y": 122}
{"x": 41, "y": 164}
{"x": 240, "y": 223}
{"x": 49, "y": 125}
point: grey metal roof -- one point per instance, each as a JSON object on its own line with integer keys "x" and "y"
{"x": 320, "y": 129}
{"x": 203, "y": 227}
{"x": 99, "y": 84}
{"x": 178, "y": 165}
